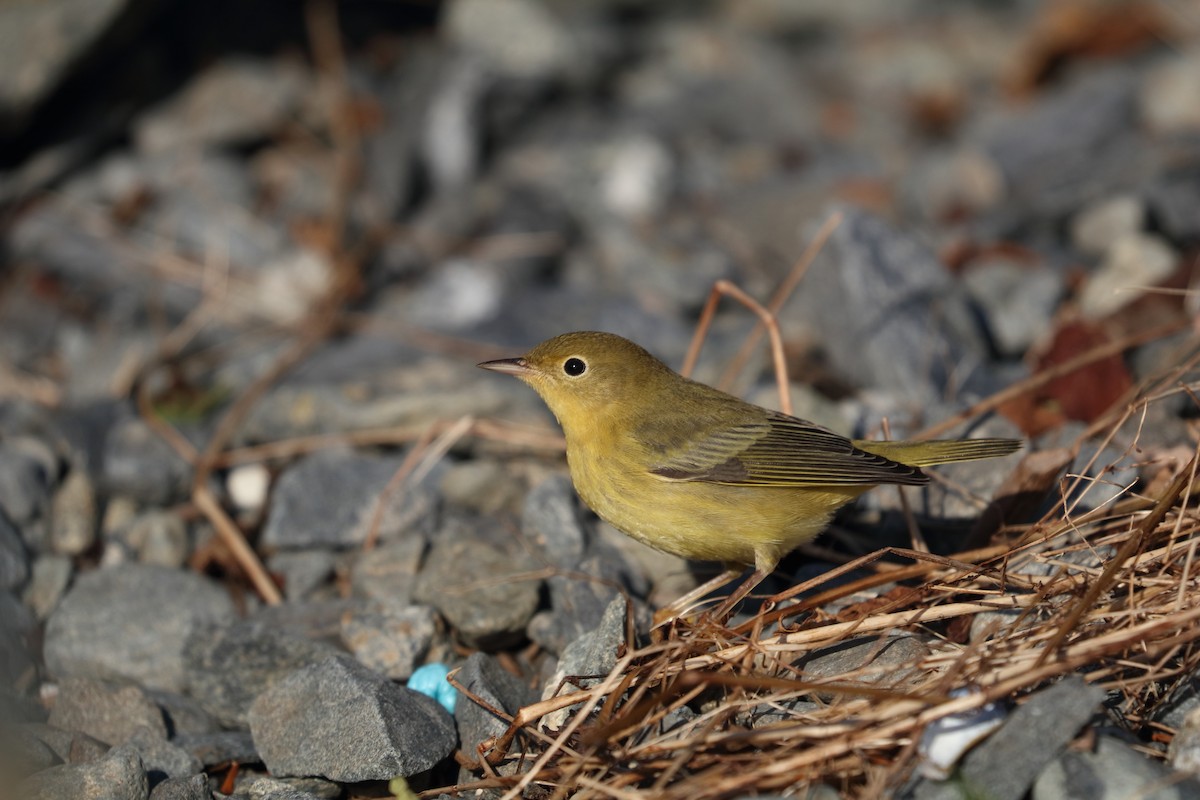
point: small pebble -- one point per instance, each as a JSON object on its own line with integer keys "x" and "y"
{"x": 48, "y": 583}
{"x": 1184, "y": 753}
{"x": 73, "y": 514}
{"x": 119, "y": 775}
{"x": 1134, "y": 263}
{"x": 389, "y": 640}
{"x": 1099, "y": 225}
{"x": 1170, "y": 95}
{"x": 336, "y": 719}
{"x": 110, "y": 712}
{"x": 159, "y": 537}
{"x": 248, "y": 485}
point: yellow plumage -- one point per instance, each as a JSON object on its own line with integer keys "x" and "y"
{"x": 697, "y": 472}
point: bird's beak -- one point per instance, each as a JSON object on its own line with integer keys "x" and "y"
{"x": 509, "y": 366}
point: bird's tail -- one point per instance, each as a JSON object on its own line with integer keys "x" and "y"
{"x": 940, "y": 451}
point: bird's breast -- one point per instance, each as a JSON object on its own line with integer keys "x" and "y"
{"x": 695, "y": 519}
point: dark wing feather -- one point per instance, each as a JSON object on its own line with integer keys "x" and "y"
{"x": 776, "y": 450}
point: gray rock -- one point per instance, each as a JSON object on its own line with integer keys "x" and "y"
{"x": 404, "y": 95}
{"x": 159, "y": 537}
{"x": 328, "y": 500}
{"x": 458, "y": 296}
{"x": 182, "y": 714}
{"x": 888, "y": 660}
{"x": 660, "y": 577}
{"x": 28, "y": 471}
{"x": 91, "y": 360}
{"x": 482, "y": 485}
{"x": 578, "y": 603}
{"x": 14, "y": 559}
{"x": 991, "y": 624}
{"x": 889, "y": 313}
{"x": 418, "y": 395}
{"x": 948, "y": 185}
{"x": 774, "y": 712}
{"x": 1134, "y": 260}
{"x": 388, "y": 574}
{"x": 23, "y": 753}
{"x": 71, "y": 748}
{"x": 53, "y": 237}
{"x": 119, "y": 514}
{"x": 237, "y": 100}
{"x": 219, "y": 747}
{"x": 1107, "y": 473}
{"x": 162, "y": 759}
{"x": 639, "y": 177}
{"x": 303, "y": 571}
{"x": 389, "y": 640}
{"x": 227, "y": 667}
{"x": 338, "y": 720}
{"x": 452, "y": 135}
{"x": 1072, "y": 146}
{"x": 1113, "y": 770}
{"x": 194, "y": 788}
{"x": 1018, "y": 302}
{"x": 1184, "y": 752}
{"x": 42, "y": 43}
{"x": 65, "y": 746}
{"x": 519, "y": 39}
{"x": 118, "y": 776}
{"x": 261, "y": 787}
{"x": 1150, "y": 362}
{"x": 73, "y": 514}
{"x": 1095, "y": 228}
{"x": 201, "y": 201}
{"x": 140, "y": 464}
{"x": 674, "y": 268}
{"x": 552, "y": 522}
{"x": 471, "y": 583}
{"x": 131, "y": 622}
{"x": 595, "y": 652}
{"x": 1005, "y": 765}
{"x": 18, "y": 670}
{"x": 590, "y": 657}
{"x": 1174, "y": 200}
{"x": 107, "y": 711}
{"x": 498, "y": 689}
{"x": 1169, "y": 99}
{"x": 318, "y": 620}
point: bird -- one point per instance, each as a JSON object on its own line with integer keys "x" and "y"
{"x": 699, "y": 473}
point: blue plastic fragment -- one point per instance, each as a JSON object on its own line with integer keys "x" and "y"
{"x": 430, "y": 680}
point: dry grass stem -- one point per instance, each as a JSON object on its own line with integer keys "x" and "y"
{"x": 1107, "y": 589}
{"x": 724, "y": 288}
{"x": 780, "y": 297}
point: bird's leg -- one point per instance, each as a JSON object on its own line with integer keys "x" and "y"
{"x": 681, "y": 605}
{"x": 721, "y": 612}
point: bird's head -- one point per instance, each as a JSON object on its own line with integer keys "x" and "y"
{"x": 588, "y": 374}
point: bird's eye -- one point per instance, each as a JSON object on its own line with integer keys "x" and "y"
{"x": 574, "y": 367}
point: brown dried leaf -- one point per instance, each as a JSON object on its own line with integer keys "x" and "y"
{"x": 1084, "y": 394}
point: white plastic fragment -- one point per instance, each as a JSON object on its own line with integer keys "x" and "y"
{"x": 946, "y": 740}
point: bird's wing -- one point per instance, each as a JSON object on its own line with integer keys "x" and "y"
{"x": 776, "y": 450}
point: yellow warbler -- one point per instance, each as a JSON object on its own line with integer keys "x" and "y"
{"x": 699, "y": 473}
